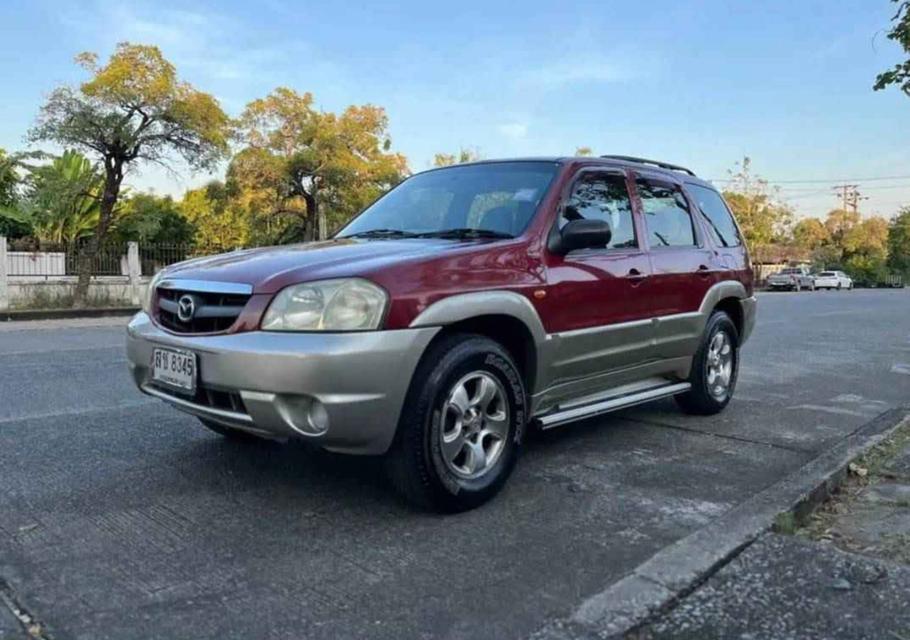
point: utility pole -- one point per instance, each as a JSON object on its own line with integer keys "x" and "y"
{"x": 850, "y": 197}
{"x": 845, "y": 192}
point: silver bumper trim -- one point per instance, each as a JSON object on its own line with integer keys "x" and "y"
{"x": 197, "y": 409}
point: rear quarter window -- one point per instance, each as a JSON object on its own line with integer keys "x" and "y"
{"x": 720, "y": 225}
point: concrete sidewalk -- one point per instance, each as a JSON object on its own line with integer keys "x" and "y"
{"x": 789, "y": 587}
{"x": 844, "y": 575}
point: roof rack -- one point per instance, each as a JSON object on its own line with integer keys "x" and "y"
{"x": 656, "y": 163}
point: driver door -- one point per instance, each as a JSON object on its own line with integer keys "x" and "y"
{"x": 598, "y": 312}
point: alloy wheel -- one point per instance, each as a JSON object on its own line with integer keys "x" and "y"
{"x": 719, "y": 365}
{"x": 475, "y": 425}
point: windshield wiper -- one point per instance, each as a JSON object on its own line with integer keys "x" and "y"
{"x": 381, "y": 233}
{"x": 465, "y": 233}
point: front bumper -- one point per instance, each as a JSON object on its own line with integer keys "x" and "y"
{"x": 343, "y": 391}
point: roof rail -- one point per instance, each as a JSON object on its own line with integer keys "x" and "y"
{"x": 656, "y": 163}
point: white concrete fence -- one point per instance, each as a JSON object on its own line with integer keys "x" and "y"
{"x": 38, "y": 279}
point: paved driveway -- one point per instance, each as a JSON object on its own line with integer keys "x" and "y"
{"x": 122, "y": 518}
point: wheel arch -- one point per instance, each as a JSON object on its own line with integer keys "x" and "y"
{"x": 504, "y": 316}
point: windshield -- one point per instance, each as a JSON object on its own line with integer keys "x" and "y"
{"x": 496, "y": 199}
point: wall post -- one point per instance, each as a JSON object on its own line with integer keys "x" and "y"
{"x": 4, "y": 276}
{"x": 134, "y": 268}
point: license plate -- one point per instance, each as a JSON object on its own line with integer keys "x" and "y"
{"x": 175, "y": 368}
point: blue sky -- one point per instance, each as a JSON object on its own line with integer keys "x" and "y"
{"x": 700, "y": 83}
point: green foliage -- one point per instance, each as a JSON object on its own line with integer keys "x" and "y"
{"x": 60, "y": 199}
{"x": 899, "y": 242}
{"x": 584, "y": 152}
{"x": 10, "y": 182}
{"x": 899, "y": 33}
{"x": 219, "y": 221}
{"x": 463, "y": 155}
{"x": 306, "y": 170}
{"x": 147, "y": 218}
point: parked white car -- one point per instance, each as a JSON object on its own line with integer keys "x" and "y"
{"x": 792, "y": 278}
{"x": 833, "y": 280}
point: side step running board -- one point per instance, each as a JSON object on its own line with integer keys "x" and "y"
{"x": 557, "y": 418}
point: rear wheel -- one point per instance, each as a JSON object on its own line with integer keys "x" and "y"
{"x": 714, "y": 368}
{"x": 462, "y": 425}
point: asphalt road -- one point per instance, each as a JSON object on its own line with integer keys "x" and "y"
{"x": 122, "y": 518}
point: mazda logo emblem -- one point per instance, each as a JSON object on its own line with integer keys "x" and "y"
{"x": 186, "y": 308}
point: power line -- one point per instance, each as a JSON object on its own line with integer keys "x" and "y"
{"x": 821, "y": 181}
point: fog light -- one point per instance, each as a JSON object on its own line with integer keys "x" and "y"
{"x": 318, "y": 417}
{"x": 304, "y": 414}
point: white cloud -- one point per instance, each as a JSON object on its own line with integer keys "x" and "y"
{"x": 514, "y": 130}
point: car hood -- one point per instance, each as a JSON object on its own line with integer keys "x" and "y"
{"x": 269, "y": 269}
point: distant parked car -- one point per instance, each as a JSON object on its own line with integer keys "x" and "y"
{"x": 833, "y": 280}
{"x": 792, "y": 279}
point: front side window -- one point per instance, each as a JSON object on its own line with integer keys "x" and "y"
{"x": 603, "y": 197}
{"x": 666, "y": 214}
{"x": 494, "y": 197}
{"x": 720, "y": 221}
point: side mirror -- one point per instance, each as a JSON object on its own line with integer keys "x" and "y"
{"x": 581, "y": 234}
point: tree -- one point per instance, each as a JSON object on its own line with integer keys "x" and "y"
{"x": 147, "y": 218}
{"x": 59, "y": 202}
{"x": 899, "y": 242}
{"x": 763, "y": 218}
{"x": 463, "y": 155}
{"x": 219, "y": 222}
{"x": 899, "y": 33}
{"x": 315, "y": 168}
{"x": 583, "y": 151}
{"x": 132, "y": 109}
{"x": 810, "y": 233}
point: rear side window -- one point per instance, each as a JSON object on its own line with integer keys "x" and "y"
{"x": 603, "y": 197}
{"x": 720, "y": 221}
{"x": 666, "y": 214}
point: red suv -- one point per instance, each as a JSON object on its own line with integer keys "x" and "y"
{"x": 464, "y": 306}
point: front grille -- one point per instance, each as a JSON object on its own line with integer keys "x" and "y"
{"x": 213, "y": 312}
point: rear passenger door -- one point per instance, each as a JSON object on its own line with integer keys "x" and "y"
{"x": 683, "y": 266}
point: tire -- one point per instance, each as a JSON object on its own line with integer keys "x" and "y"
{"x": 703, "y": 398}
{"x": 434, "y": 461}
{"x": 233, "y": 434}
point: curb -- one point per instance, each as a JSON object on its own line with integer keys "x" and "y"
{"x": 680, "y": 568}
{"x": 65, "y": 314}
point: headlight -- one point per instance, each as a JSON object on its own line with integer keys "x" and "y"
{"x": 150, "y": 292}
{"x": 350, "y": 304}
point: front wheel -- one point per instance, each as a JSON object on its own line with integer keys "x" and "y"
{"x": 461, "y": 427}
{"x": 714, "y": 368}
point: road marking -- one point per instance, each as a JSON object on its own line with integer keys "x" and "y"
{"x": 837, "y": 410}
{"x": 899, "y": 367}
{"x": 77, "y": 412}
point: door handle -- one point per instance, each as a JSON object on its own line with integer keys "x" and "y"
{"x": 704, "y": 270}
{"x": 636, "y": 276}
